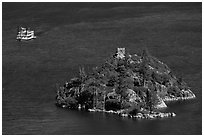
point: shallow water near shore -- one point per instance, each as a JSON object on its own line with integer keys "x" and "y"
{"x": 85, "y": 36}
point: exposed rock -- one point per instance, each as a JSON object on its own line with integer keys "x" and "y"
{"x": 161, "y": 104}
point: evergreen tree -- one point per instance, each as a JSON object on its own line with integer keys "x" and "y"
{"x": 82, "y": 74}
{"x": 151, "y": 99}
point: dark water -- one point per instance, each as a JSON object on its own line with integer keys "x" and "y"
{"x": 85, "y": 34}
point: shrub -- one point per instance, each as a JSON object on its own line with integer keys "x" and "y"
{"x": 133, "y": 111}
{"x": 125, "y": 104}
{"x": 71, "y": 102}
{"x": 112, "y": 104}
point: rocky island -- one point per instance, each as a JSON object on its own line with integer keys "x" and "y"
{"x": 136, "y": 86}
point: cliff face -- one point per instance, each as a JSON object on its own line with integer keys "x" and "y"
{"x": 124, "y": 82}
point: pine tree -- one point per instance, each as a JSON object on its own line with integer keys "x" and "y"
{"x": 82, "y": 74}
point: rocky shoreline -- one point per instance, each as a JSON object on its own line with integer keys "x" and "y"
{"x": 172, "y": 98}
{"x": 152, "y": 115}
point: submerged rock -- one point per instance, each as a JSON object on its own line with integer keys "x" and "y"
{"x": 134, "y": 86}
